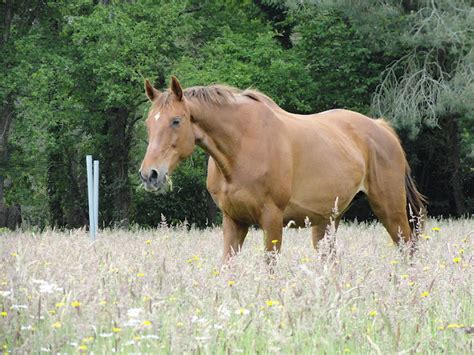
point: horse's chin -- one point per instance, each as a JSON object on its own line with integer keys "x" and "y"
{"x": 163, "y": 189}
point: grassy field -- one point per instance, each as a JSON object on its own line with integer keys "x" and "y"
{"x": 163, "y": 291}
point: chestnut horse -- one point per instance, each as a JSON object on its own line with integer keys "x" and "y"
{"x": 269, "y": 167}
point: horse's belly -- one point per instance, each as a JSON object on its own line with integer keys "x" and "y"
{"x": 315, "y": 208}
{"x": 297, "y": 216}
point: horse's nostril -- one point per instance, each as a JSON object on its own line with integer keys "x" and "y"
{"x": 154, "y": 175}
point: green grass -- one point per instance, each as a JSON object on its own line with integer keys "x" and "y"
{"x": 163, "y": 291}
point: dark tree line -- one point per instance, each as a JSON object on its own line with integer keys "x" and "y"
{"x": 71, "y": 84}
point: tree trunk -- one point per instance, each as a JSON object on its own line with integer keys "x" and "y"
{"x": 5, "y": 121}
{"x": 7, "y": 22}
{"x": 5, "y": 114}
{"x": 454, "y": 160}
{"x": 3, "y": 206}
{"x": 115, "y": 165}
{"x": 55, "y": 178}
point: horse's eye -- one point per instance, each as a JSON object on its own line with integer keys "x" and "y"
{"x": 175, "y": 122}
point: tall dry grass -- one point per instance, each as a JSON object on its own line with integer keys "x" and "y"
{"x": 163, "y": 291}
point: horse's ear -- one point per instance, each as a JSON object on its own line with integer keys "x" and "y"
{"x": 150, "y": 91}
{"x": 176, "y": 87}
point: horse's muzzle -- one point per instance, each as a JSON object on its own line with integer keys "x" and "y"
{"x": 154, "y": 181}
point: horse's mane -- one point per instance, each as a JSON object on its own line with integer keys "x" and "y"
{"x": 216, "y": 95}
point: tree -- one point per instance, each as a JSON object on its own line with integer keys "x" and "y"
{"x": 19, "y": 17}
{"x": 432, "y": 86}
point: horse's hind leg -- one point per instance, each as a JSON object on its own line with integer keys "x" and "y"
{"x": 388, "y": 202}
{"x": 319, "y": 231}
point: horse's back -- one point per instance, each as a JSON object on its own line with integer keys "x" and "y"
{"x": 334, "y": 154}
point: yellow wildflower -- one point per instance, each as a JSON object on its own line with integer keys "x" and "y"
{"x": 88, "y": 340}
{"x": 193, "y": 259}
{"x": 394, "y": 262}
{"x": 435, "y": 229}
{"x": 242, "y": 311}
{"x": 3, "y": 314}
{"x": 146, "y": 323}
{"x": 373, "y": 313}
{"x": 56, "y": 325}
{"x": 148, "y": 241}
{"x": 271, "y": 303}
{"x": 404, "y": 276}
{"x": 140, "y": 274}
{"x": 215, "y": 272}
{"x": 60, "y": 304}
{"x": 137, "y": 337}
{"x": 230, "y": 283}
{"x": 116, "y": 329}
{"x": 274, "y": 241}
{"x": 457, "y": 260}
{"x": 440, "y": 327}
{"x": 14, "y": 254}
{"x": 76, "y": 304}
{"x": 455, "y": 326}
{"x": 52, "y": 312}
{"x": 82, "y": 347}
{"x": 425, "y": 294}
{"x": 461, "y": 251}
{"x": 411, "y": 283}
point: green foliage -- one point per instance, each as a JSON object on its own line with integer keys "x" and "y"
{"x": 251, "y": 61}
{"x": 73, "y": 74}
{"x": 338, "y": 60}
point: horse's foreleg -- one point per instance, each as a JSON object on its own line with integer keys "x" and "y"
{"x": 234, "y": 236}
{"x": 271, "y": 221}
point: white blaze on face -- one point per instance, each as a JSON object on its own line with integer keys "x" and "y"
{"x": 157, "y": 116}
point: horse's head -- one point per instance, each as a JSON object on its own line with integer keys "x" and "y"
{"x": 170, "y": 135}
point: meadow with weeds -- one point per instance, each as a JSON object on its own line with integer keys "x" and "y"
{"x": 163, "y": 291}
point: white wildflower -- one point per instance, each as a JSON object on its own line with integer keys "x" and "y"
{"x": 18, "y": 306}
{"x": 106, "y": 335}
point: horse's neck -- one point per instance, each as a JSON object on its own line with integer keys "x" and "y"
{"x": 217, "y": 130}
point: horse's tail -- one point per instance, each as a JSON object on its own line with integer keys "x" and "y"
{"x": 416, "y": 204}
